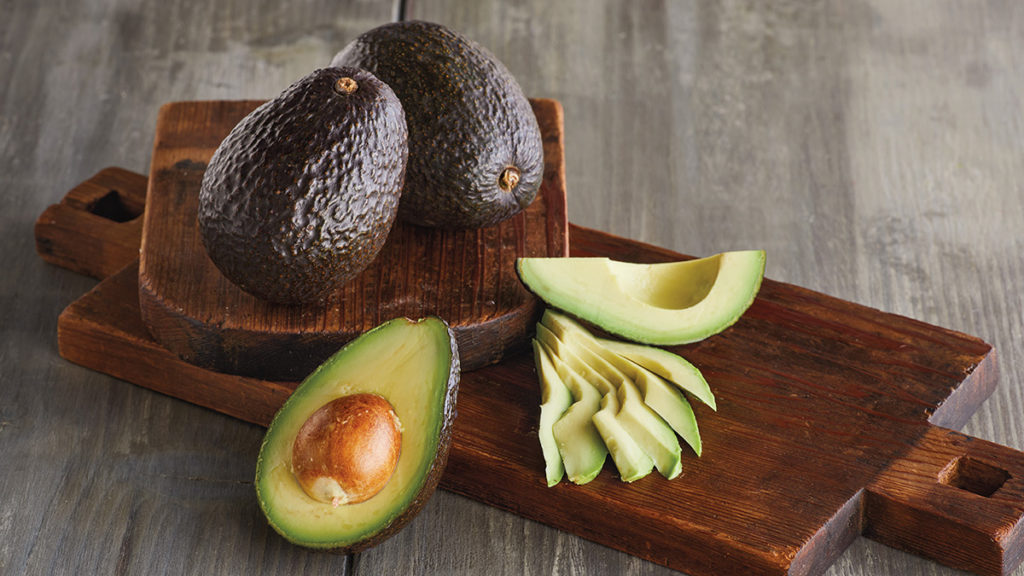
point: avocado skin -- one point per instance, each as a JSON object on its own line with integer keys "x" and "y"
{"x": 468, "y": 121}
{"x": 302, "y": 194}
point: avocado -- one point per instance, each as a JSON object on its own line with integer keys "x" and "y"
{"x": 475, "y": 152}
{"x": 301, "y": 195}
{"x": 671, "y": 367}
{"x": 555, "y": 400}
{"x": 654, "y": 436}
{"x": 666, "y": 304}
{"x": 579, "y": 444}
{"x": 664, "y": 399}
{"x": 631, "y": 460}
{"x": 359, "y": 447}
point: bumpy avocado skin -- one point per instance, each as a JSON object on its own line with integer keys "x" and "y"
{"x": 301, "y": 195}
{"x": 468, "y": 121}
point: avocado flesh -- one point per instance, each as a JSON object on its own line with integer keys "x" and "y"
{"x": 414, "y": 365}
{"x": 555, "y": 400}
{"x": 630, "y": 459}
{"x": 671, "y": 367}
{"x": 654, "y": 436}
{"x": 658, "y": 395}
{"x": 476, "y": 156}
{"x": 301, "y": 195}
{"x": 579, "y": 444}
{"x": 666, "y": 304}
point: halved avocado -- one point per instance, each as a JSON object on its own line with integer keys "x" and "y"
{"x": 414, "y": 367}
{"x": 667, "y": 304}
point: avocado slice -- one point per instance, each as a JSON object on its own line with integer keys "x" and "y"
{"x": 666, "y": 400}
{"x": 630, "y": 459}
{"x": 580, "y": 446}
{"x": 666, "y": 304}
{"x": 475, "y": 152}
{"x": 301, "y": 195}
{"x": 671, "y": 367}
{"x": 414, "y": 367}
{"x": 555, "y": 400}
{"x": 644, "y": 425}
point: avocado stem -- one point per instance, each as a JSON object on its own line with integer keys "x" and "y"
{"x": 509, "y": 178}
{"x": 345, "y": 85}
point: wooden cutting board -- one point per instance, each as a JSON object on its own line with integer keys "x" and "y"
{"x": 834, "y": 420}
{"x": 464, "y": 276}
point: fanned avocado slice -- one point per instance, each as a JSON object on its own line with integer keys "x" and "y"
{"x": 555, "y": 400}
{"x": 414, "y": 367}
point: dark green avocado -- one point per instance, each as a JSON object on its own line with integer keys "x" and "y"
{"x": 301, "y": 195}
{"x": 475, "y": 151}
{"x": 411, "y": 365}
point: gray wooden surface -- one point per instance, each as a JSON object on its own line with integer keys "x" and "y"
{"x": 875, "y": 149}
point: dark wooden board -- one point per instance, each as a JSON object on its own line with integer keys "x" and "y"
{"x": 834, "y": 421}
{"x": 465, "y": 276}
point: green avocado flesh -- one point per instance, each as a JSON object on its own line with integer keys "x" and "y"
{"x": 414, "y": 365}
{"x": 619, "y": 406}
{"x": 579, "y": 444}
{"x": 630, "y": 458}
{"x": 671, "y": 367}
{"x": 654, "y": 436}
{"x": 475, "y": 152}
{"x": 555, "y": 400}
{"x": 665, "y": 304}
{"x": 301, "y": 195}
{"x": 665, "y": 400}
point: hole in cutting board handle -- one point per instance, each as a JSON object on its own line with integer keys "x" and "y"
{"x": 974, "y": 476}
{"x": 115, "y": 206}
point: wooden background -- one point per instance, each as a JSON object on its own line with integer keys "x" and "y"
{"x": 875, "y": 149}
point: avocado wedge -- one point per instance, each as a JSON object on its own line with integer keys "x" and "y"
{"x": 665, "y": 304}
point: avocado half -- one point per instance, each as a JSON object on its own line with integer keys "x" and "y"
{"x": 664, "y": 304}
{"x": 413, "y": 365}
{"x": 475, "y": 152}
{"x": 301, "y": 195}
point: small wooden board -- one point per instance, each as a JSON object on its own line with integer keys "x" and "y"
{"x": 832, "y": 422}
{"x": 465, "y": 276}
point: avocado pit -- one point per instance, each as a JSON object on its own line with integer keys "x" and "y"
{"x": 347, "y": 450}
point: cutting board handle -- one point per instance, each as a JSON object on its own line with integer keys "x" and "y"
{"x": 96, "y": 228}
{"x": 953, "y": 498}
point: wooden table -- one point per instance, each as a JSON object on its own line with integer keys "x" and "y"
{"x": 874, "y": 149}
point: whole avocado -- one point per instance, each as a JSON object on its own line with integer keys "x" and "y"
{"x": 475, "y": 152}
{"x": 302, "y": 194}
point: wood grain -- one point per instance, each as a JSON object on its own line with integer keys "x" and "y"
{"x": 822, "y": 433}
{"x": 96, "y": 228}
{"x": 464, "y": 276}
{"x": 872, "y": 147}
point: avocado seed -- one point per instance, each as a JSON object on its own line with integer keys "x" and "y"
{"x": 347, "y": 450}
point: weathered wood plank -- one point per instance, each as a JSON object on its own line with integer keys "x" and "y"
{"x": 871, "y": 147}
{"x": 105, "y": 479}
